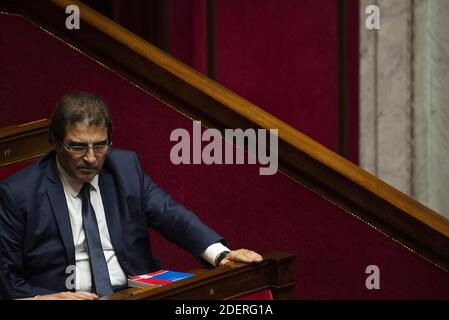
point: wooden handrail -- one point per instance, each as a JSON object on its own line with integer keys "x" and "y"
{"x": 300, "y": 157}
{"x": 18, "y": 129}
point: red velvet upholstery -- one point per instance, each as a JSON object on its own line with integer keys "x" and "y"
{"x": 266, "y": 213}
{"x": 188, "y": 32}
{"x": 281, "y": 56}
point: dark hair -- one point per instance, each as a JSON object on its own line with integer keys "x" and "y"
{"x": 78, "y": 107}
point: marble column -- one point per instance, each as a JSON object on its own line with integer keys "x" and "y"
{"x": 385, "y": 95}
{"x": 404, "y": 98}
{"x": 431, "y": 104}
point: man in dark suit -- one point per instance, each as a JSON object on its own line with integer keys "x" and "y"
{"x": 77, "y": 220}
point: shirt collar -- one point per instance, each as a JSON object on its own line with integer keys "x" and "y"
{"x": 71, "y": 185}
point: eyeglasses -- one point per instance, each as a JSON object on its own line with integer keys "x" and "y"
{"x": 80, "y": 149}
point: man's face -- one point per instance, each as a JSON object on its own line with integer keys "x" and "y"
{"x": 82, "y": 166}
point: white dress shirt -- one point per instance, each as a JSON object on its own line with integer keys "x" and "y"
{"x": 83, "y": 278}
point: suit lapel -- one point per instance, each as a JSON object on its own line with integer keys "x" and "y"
{"x": 58, "y": 203}
{"x": 111, "y": 208}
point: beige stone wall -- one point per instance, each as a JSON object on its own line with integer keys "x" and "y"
{"x": 404, "y": 98}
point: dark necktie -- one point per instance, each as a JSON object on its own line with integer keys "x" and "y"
{"x": 99, "y": 268}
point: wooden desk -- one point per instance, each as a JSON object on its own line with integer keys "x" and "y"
{"x": 226, "y": 282}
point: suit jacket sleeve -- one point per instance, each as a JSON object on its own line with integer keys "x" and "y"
{"x": 173, "y": 221}
{"x": 12, "y": 228}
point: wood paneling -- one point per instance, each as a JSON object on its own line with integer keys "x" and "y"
{"x": 23, "y": 142}
{"x": 227, "y": 282}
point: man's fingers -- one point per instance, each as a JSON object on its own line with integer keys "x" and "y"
{"x": 244, "y": 255}
{"x": 253, "y": 256}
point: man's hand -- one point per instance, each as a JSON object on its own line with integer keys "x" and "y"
{"x": 242, "y": 255}
{"x": 68, "y": 296}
